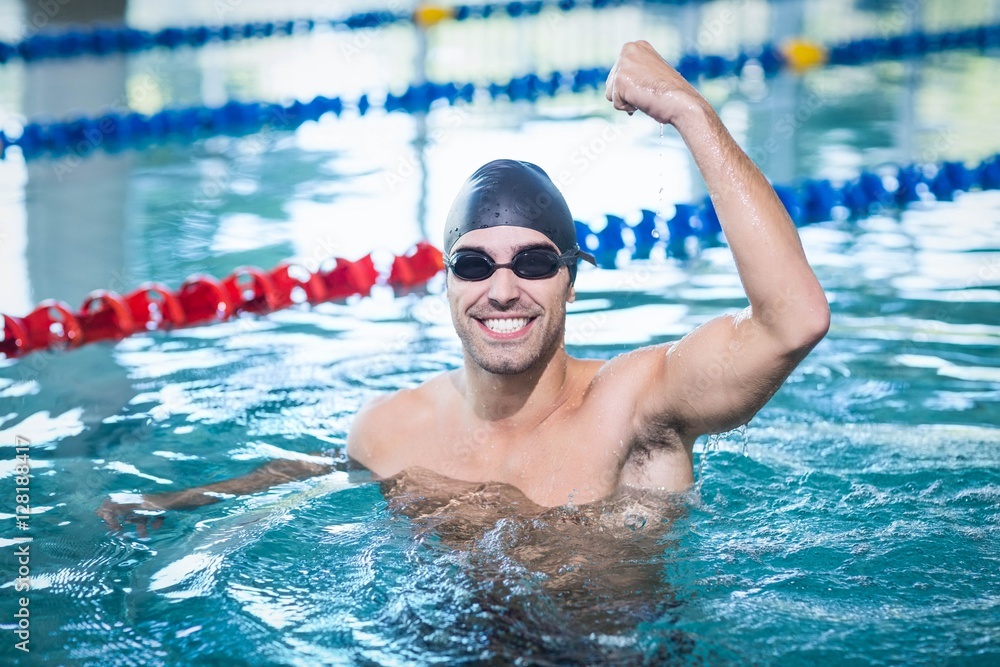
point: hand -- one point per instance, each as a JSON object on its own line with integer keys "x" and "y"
{"x": 141, "y": 514}
{"x": 641, "y": 80}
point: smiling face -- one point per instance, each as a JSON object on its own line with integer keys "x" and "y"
{"x": 509, "y": 325}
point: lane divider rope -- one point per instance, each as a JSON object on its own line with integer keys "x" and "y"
{"x": 812, "y": 201}
{"x": 102, "y": 40}
{"x": 203, "y": 299}
{"x": 116, "y": 131}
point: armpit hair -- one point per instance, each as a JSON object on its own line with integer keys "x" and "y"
{"x": 658, "y": 434}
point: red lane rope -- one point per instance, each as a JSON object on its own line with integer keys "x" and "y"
{"x": 202, "y": 299}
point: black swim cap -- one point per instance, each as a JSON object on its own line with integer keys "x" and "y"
{"x": 509, "y": 192}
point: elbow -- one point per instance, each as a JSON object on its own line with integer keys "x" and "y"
{"x": 817, "y": 324}
{"x": 811, "y": 324}
{"x": 801, "y": 328}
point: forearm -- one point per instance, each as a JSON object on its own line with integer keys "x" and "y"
{"x": 784, "y": 294}
{"x": 147, "y": 512}
{"x": 270, "y": 474}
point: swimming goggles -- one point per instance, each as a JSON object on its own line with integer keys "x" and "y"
{"x": 530, "y": 264}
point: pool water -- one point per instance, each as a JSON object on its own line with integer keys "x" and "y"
{"x": 855, "y": 520}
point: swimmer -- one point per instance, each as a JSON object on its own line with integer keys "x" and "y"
{"x": 524, "y": 413}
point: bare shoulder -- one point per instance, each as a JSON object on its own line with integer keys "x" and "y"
{"x": 632, "y": 373}
{"x": 385, "y": 421}
{"x": 637, "y": 386}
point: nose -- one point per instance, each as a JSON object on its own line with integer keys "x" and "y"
{"x": 504, "y": 288}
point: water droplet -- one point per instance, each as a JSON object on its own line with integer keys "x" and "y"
{"x": 662, "y": 176}
{"x": 711, "y": 445}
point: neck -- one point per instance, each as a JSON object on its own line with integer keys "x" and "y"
{"x": 516, "y": 400}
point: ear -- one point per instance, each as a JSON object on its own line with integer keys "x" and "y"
{"x": 570, "y": 294}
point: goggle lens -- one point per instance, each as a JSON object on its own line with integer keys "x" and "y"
{"x": 531, "y": 264}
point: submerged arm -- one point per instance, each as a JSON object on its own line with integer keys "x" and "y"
{"x": 151, "y": 506}
{"x": 720, "y": 374}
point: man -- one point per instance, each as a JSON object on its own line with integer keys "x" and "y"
{"x": 521, "y": 411}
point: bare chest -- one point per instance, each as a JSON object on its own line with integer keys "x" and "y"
{"x": 565, "y": 459}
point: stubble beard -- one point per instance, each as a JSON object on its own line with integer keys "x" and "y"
{"x": 513, "y": 357}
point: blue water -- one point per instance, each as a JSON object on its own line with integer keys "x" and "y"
{"x": 856, "y": 520}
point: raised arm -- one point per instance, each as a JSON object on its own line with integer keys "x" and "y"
{"x": 719, "y": 375}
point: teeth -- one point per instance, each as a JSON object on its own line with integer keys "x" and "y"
{"x": 508, "y": 325}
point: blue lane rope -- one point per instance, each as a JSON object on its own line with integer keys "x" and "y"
{"x": 809, "y": 202}
{"x": 774, "y": 58}
{"x": 100, "y": 40}
{"x": 520, "y": 9}
{"x": 108, "y": 39}
{"x": 115, "y": 131}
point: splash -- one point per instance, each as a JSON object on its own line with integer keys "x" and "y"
{"x": 712, "y": 445}
{"x": 744, "y": 432}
